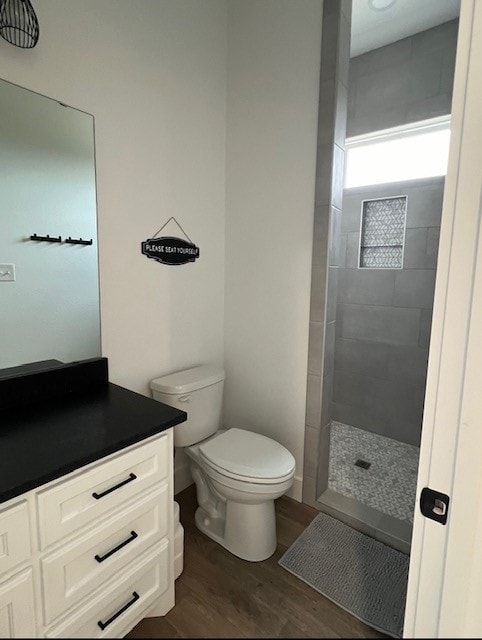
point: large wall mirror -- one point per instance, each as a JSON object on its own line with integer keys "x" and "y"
{"x": 50, "y": 310}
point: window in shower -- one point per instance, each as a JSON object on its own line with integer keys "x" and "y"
{"x": 383, "y": 233}
{"x": 409, "y": 152}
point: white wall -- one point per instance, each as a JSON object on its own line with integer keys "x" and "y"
{"x": 153, "y": 74}
{"x": 272, "y": 108}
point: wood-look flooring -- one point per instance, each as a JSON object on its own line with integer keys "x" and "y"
{"x": 221, "y": 596}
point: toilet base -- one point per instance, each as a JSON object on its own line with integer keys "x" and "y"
{"x": 248, "y": 531}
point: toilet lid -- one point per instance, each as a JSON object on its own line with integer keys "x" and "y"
{"x": 248, "y": 454}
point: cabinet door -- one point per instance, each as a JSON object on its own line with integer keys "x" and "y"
{"x": 74, "y": 570}
{"x": 91, "y": 495}
{"x": 17, "y": 610}
{"x": 120, "y": 605}
{"x": 14, "y": 536}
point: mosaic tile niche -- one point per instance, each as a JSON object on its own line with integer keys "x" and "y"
{"x": 383, "y": 232}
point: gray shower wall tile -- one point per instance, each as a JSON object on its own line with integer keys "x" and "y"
{"x": 388, "y": 56}
{"x": 346, "y": 6}
{"x": 414, "y": 288}
{"x": 351, "y": 105}
{"x": 330, "y": 39}
{"x": 335, "y": 248}
{"x": 406, "y": 81}
{"x": 380, "y": 360}
{"x": 440, "y": 39}
{"x": 313, "y": 401}
{"x": 380, "y": 100}
{"x": 351, "y": 216}
{"x": 425, "y": 328}
{"x": 341, "y": 114}
{"x": 332, "y": 294}
{"x": 326, "y": 399}
{"x": 343, "y": 249}
{"x": 366, "y": 286}
{"x": 425, "y": 77}
{"x": 433, "y": 239}
{"x": 425, "y": 205}
{"x": 404, "y": 405}
{"x": 329, "y": 348}
{"x": 352, "y": 250}
{"x": 318, "y": 293}
{"x": 309, "y": 490}
{"x": 395, "y": 397}
{"x": 320, "y": 236}
{"x": 356, "y": 390}
{"x": 338, "y": 176}
{"x": 324, "y": 169}
{"x": 323, "y": 467}
{"x": 448, "y": 71}
{"x": 362, "y": 357}
{"x": 312, "y": 451}
{"x": 326, "y": 112}
{"x": 439, "y": 105}
{"x": 408, "y": 364}
{"x": 315, "y": 347}
{"x": 380, "y": 420}
{"x": 344, "y": 42}
{"x": 379, "y": 324}
{"x": 372, "y": 419}
{"x": 415, "y": 249}
{"x": 381, "y": 406}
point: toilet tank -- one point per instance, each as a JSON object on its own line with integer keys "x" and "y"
{"x": 197, "y": 391}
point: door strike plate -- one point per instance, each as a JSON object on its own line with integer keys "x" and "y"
{"x": 434, "y": 505}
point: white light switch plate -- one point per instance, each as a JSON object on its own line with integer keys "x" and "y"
{"x": 7, "y": 272}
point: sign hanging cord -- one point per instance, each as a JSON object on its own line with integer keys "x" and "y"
{"x": 166, "y": 223}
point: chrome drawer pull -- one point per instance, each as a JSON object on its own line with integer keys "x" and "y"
{"x": 131, "y": 538}
{"x": 135, "y": 598}
{"x": 97, "y": 496}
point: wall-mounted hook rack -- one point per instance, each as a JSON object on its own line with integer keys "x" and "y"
{"x": 46, "y": 238}
{"x": 70, "y": 240}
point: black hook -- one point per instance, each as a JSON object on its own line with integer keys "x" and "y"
{"x": 70, "y": 240}
{"x": 46, "y": 238}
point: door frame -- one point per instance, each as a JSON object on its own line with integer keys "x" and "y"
{"x": 444, "y": 586}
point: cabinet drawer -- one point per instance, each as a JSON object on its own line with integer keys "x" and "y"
{"x": 87, "y": 497}
{"x": 14, "y": 536}
{"x": 120, "y": 604}
{"x": 76, "y": 569}
{"x": 17, "y": 609}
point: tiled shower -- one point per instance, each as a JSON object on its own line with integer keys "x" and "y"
{"x": 368, "y": 351}
{"x": 384, "y": 311}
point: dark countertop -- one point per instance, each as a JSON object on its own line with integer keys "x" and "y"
{"x": 44, "y": 441}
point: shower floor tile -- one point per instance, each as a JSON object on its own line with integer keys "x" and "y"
{"x": 388, "y": 485}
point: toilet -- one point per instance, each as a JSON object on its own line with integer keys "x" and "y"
{"x": 238, "y": 473}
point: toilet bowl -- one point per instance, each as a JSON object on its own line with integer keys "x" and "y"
{"x": 238, "y": 510}
{"x": 238, "y": 473}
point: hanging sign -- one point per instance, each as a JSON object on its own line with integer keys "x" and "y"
{"x": 169, "y": 249}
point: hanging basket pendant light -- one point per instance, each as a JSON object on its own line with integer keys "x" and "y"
{"x": 18, "y": 23}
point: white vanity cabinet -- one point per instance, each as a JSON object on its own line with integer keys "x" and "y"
{"x": 91, "y": 553}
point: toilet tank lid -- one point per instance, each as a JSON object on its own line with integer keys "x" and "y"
{"x": 188, "y": 380}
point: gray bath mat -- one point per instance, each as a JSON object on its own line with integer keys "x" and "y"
{"x": 360, "y": 574}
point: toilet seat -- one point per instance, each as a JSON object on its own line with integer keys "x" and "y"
{"x": 247, "y": 457}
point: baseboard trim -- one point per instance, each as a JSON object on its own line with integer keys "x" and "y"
{"x": 296, "y": 490}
